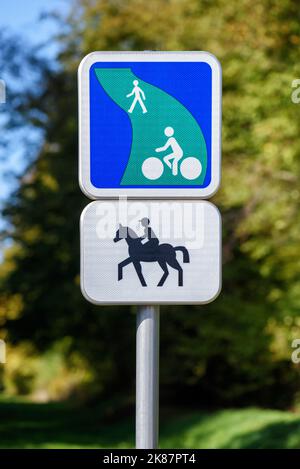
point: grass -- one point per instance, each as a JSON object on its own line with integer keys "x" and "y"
{"x": 25, "y": 424}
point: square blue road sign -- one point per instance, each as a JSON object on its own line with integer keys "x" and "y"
{"x": 150, "y": 124}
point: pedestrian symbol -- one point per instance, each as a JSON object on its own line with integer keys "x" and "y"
{"x": 150, "y": 128}
{"x": 139, "y": 96}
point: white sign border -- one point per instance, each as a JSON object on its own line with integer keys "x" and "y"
{"x": 84, "y": 125}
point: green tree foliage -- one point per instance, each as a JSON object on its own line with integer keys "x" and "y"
{"x": 236, "y": 349}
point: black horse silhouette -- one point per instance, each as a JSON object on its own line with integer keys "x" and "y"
{"x": 164, "y": 254}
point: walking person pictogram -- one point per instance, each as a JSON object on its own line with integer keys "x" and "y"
{"x": 177, "y": 152}
{"x": 139, "y": 96}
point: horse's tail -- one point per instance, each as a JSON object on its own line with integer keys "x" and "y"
{"x": 185, "y": 252}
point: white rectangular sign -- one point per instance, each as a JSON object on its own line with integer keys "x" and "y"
{"x": 150, "y": 252}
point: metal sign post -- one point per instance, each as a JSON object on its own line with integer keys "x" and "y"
{"x": 147, "y": 377}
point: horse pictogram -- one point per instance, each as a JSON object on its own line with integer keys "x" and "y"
{"x": 164, "y": 254}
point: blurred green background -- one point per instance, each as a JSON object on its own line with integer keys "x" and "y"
{"x": 227, "y": 379}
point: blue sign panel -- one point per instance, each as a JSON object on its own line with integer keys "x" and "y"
{"x": 150, "y": 124}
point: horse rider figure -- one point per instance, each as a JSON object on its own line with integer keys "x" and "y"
{"x": 149, "y": 240}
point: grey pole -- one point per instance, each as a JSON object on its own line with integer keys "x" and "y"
{"x": 147, "y": 377}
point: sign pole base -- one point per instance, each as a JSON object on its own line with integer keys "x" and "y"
{"x": 147, "y": 377}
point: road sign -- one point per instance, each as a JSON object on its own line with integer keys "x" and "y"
{"x": 150, "y": 124}
{"x": 148, "y": 252}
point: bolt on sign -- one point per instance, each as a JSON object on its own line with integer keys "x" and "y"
{"x": 150, "y": 124}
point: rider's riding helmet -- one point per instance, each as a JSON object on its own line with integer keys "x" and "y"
{"x": 145, "y": 221}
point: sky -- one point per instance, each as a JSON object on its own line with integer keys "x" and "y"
{"x": 22, "y": 17}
